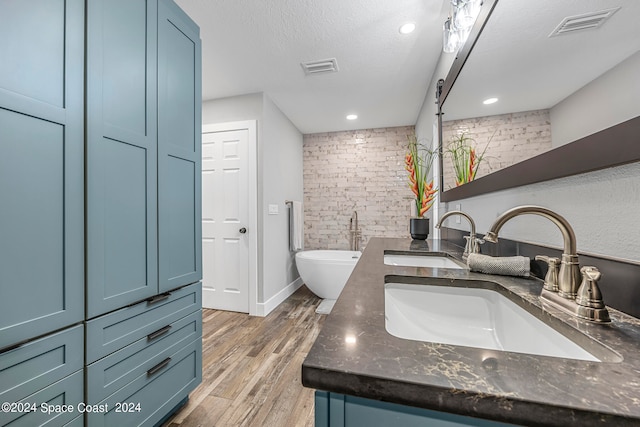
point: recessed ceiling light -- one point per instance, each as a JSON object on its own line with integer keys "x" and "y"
{"x": 490, "y": 101}
{"x": 407, "y": 28}
{"x": 352, "y": 116}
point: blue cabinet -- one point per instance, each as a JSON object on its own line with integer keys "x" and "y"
{"x": 151, "y": 394}
{"x": 41, "y": 210}
{"x": 106, "y": 334}
{"x": 122, "y": 262}
{"x": 179, "y": 148}
{"x": 143, "y": 151}
{"x": 45, "y": 371}
{"x": 41, "y": 168}
{"x": 90, "y": 184}
{"x": 143, "y": 340}
{"x": 340, "y": 410}
{"x": 149, "y": 354}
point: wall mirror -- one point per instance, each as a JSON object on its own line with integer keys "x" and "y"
{"x": 567, "y": 95}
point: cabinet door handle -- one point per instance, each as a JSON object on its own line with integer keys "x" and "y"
{"x": 153, "y": 335}
{"x": 242, "y": 230}
{"x": 158, "y": 298}
{"x": 158, "y": 367}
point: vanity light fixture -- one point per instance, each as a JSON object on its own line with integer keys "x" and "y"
{"x": 407, "y": 28}
{"x": 457, "y": 27}
{"x": 352, "y": 116}
{"x": 490, "y": 101}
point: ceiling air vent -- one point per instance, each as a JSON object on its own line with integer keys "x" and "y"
{"x": 323, "y": 66}
{"x": 583, "y": 22}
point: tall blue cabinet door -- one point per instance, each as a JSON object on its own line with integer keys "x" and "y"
{"x": 41, "y": 167}
{"x": 179, "y": 148}
{"x": 121, "y": 153}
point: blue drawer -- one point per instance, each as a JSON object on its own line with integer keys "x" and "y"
{"x": 152, "y": 394}
{"x": 68, "y": 391}
{"x": 40, "y": 363}
{"x": 111, "y": 373}
{"x": 111, "y": 332}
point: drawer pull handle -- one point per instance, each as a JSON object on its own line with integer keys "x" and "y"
{"x": 158, "y": 298}
{"x": 153, "y": 335}
{"x": 158, "y": 367}
{"x": 11, "y": 347}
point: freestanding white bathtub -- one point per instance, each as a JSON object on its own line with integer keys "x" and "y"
{"x": 325, "y": 272}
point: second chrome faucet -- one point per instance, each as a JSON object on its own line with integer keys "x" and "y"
{"x": 472, "y": 245}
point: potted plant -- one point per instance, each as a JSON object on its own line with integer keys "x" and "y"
{"x": 464, "y": 157}
{"x": 418, "y": 162}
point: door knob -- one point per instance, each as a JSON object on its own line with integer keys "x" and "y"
{"x": 242, "y": 230}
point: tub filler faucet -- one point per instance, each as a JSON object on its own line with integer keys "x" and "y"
{"x": 568, "y": 288}
{"x": 355, "y": 232}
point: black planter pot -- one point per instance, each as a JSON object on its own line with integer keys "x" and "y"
{"x": 419, "y": 228}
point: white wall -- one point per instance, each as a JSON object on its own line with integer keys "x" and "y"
{"x": 233, "y": 109}
{"x": 612, "y": 98}
{"x": 601, "y": 206}
{"x": 281, "y": 179}
{"x": 279, "y": 176}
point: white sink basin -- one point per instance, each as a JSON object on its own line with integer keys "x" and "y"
{"x": 472, "y": 317}
{"x": 432, "y": 261}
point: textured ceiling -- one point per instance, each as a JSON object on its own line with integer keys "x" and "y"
{"x": 253, "y": 46}
{"x": 516, "y": 61}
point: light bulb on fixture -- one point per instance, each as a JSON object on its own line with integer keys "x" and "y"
{"x": 489, "y": 101}
{"x": 352, "y": 116}
{"x": 464, "y": 13}
{"x": 450, "y": 42}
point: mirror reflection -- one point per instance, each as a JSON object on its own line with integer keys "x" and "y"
{"x": 555, "y": 71}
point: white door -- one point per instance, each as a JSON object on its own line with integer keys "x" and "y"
{"x": 225, "y": 219}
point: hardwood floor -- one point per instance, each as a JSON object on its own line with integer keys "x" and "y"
{"x": 252, "y": 367}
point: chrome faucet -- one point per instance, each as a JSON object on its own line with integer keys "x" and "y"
{"x": 472, "y": 245}
{"x": 569, "y": 281}
{"x": 569, "y": 274}
{"x": 354, "y": 232}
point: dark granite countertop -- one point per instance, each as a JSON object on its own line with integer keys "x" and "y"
{"x": 504, "y": 386}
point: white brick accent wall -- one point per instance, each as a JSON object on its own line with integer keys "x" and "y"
{"x": 518, "y": 136}
{"x": 359, "y": 171}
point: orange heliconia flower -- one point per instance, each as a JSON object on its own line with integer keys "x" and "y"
{"x": 418, "y": 169}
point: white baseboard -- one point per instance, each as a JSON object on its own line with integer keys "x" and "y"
{"x": 264, "y": 308}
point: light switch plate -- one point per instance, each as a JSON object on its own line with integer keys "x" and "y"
{"x": 273, "y": 209}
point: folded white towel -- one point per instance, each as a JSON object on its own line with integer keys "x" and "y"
{"x": 296, "y": 227}
{"x": 506, "y": 266}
